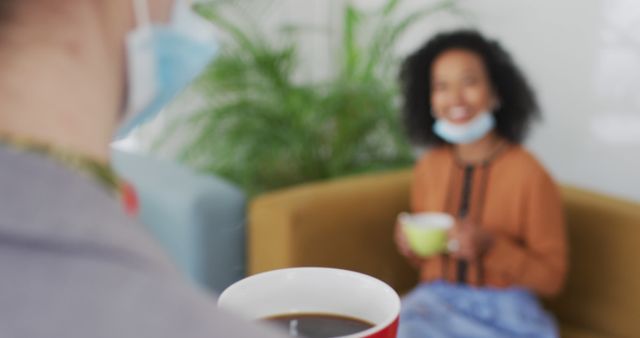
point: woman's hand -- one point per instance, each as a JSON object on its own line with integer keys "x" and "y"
{"x": 403, "y": 246}
{"x": 468, "y": 241}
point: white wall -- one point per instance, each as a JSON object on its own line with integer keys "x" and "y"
{"x": 582, "y": 56}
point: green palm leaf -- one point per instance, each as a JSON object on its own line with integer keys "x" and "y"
{"x": 263, "y": 129}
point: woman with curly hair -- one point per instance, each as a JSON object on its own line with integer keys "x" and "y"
{"x": 469, "y": 104}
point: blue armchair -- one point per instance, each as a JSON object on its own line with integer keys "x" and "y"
{"x": 199, "y": 219}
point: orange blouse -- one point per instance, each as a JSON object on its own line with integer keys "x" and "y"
{"x": 513, "y": 198}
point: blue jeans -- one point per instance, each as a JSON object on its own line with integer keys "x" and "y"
{"x": 445, "y": 310}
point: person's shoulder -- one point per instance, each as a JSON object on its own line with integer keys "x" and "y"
{"x": 520, "y": 161}
{"x": 434, "y": 156}
{"x": 171, "y": 306}
{"x": 108, "y": 296}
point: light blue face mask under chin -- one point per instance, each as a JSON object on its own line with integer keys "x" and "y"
{"x": 466, "y": 133}
{"x": 162, "y": 61}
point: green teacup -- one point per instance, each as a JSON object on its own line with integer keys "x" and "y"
{"x": 426, "y": 232}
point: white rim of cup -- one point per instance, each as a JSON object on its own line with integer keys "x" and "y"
{"x": 376, "y": 328}
{"x": 404, "y": 217}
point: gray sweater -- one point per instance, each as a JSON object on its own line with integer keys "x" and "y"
{"x": 72, "y": 265}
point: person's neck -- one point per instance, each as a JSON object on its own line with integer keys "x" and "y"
{"x": 62, "y": 91}
{"x": 479, "y": 151}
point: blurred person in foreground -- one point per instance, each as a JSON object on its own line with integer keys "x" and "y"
{"x": 465, "y": 99}
{"x": 73, "y": 264}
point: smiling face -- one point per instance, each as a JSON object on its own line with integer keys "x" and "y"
{"x": 460, "y": 86}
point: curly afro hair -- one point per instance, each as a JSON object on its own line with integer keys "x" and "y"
{"x": 518, "y": 105}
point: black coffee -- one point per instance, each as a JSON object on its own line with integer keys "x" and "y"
{"x": 319, "y": 325}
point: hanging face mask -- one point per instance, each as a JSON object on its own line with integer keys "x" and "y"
{"x": 162, "y": 60}
{"x": 466, "y": 133}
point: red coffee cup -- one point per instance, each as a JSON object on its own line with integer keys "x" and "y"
{"x": 317, "y": 290}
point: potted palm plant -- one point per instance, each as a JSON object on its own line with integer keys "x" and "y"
{"x": 263, "y": 129}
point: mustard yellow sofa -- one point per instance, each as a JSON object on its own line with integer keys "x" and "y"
{"x": 348, "y": 223}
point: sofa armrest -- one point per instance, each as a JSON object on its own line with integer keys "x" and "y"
{"x": 602, "y": 293}
{"x": 346, "y": 223}
{"x": 199, "y": 220}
